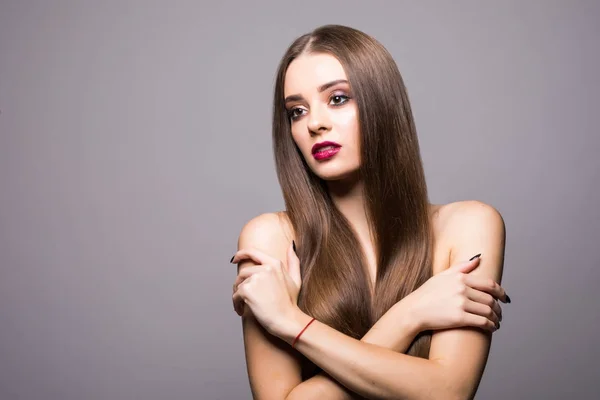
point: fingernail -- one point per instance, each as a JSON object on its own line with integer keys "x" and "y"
{"x": 294, "y": 245}
{"x": 474, "y": 257}
{"x": 507, "y": 298}
{"x": 230, "y": 261}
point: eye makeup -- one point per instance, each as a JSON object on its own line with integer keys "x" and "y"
{"x": 343, "y": 99}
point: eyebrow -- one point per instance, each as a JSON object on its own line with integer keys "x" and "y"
{"x": 325, "y": 86}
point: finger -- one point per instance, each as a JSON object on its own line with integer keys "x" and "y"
{"x": 246, "y": 273}
{"x": 293, "y": 266}
{"x": 487, "y": 285}
{"x": 483, "y": 310}
{"x": 485, "y": 298}
{"x": 239, "y": 296}
{"x": 234, "y": 301}
{"x": 255, "y": 255}
{"x": 478, "y": 321}
{"x": 241, "y": 308}
{"x": 238, "y": 303}
{"x": 465, "y": 267}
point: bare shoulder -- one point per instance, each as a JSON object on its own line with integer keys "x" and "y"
{"x": 455, "y": 215}
{"x": 471, "y": 217}
{"x": 465, "y": 228}
{"x": 269, "y": 232}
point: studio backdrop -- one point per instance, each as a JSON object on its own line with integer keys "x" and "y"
{"x": 135, "y": 142}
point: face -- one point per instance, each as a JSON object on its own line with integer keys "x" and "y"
{"x": 321, "y": 108}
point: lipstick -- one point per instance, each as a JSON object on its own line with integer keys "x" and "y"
{"x": 325, "y": 150}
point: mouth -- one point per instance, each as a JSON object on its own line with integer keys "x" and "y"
{"x": 325, "y": 146}
{"x": 325, "y": 150}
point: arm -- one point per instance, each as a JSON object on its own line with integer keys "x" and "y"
{"x": 457, "y": 356}
{"x": 273, "y": 367}
{"x": 395, "y": 330}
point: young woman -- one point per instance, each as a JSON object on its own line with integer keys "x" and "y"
{"x": 362, "y": 288}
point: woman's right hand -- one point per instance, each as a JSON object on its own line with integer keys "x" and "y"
{"x": 455, "y": 299}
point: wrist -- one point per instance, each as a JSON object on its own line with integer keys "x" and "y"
{"x": 292, "y": 325}
{"x": 409, "y": 316}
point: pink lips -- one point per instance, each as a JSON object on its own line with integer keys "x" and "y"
{"x": 324, "y": 154}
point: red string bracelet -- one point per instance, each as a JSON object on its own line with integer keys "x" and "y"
{"x": 302, "y": 331}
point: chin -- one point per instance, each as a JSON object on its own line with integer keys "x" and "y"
{"x": 335, "y": 174}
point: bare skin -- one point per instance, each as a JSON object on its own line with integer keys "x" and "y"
{"x": 272, "y": 320}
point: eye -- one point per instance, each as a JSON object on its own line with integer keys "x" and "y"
{"x": 295, "y": 113}
{"x": 338, "y": 99}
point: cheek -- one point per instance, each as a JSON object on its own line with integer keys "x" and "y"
{"x": 300, "y": 139}
{"x": 346, "y": 123}
{"x": 346, "y": 116}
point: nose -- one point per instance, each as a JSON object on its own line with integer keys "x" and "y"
{"x": 318, "y": 120}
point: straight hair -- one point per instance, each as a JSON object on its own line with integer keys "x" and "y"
{"x": 335, "y": 280}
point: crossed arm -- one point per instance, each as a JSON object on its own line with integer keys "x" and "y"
{"x": 375, "y": 367}
{"x": 394, "y": 330}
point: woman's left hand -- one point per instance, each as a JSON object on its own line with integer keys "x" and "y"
{"x": 270, "y": 289}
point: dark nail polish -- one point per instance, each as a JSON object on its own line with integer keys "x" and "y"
{"x": 474, "y": 257}
{"x": 507, "y": 298}
{"x": 294, "y": 245}
{"x": 230, "y": 261}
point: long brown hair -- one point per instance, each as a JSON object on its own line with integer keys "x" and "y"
{"x": 335, "y": 282}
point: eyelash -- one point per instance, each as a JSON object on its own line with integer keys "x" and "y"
{"x": 342, "y": 96}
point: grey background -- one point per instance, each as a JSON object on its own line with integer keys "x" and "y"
{"x": 135, "y": 143}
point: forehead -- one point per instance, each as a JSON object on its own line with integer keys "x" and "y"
{"x": 309, "y": 71}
